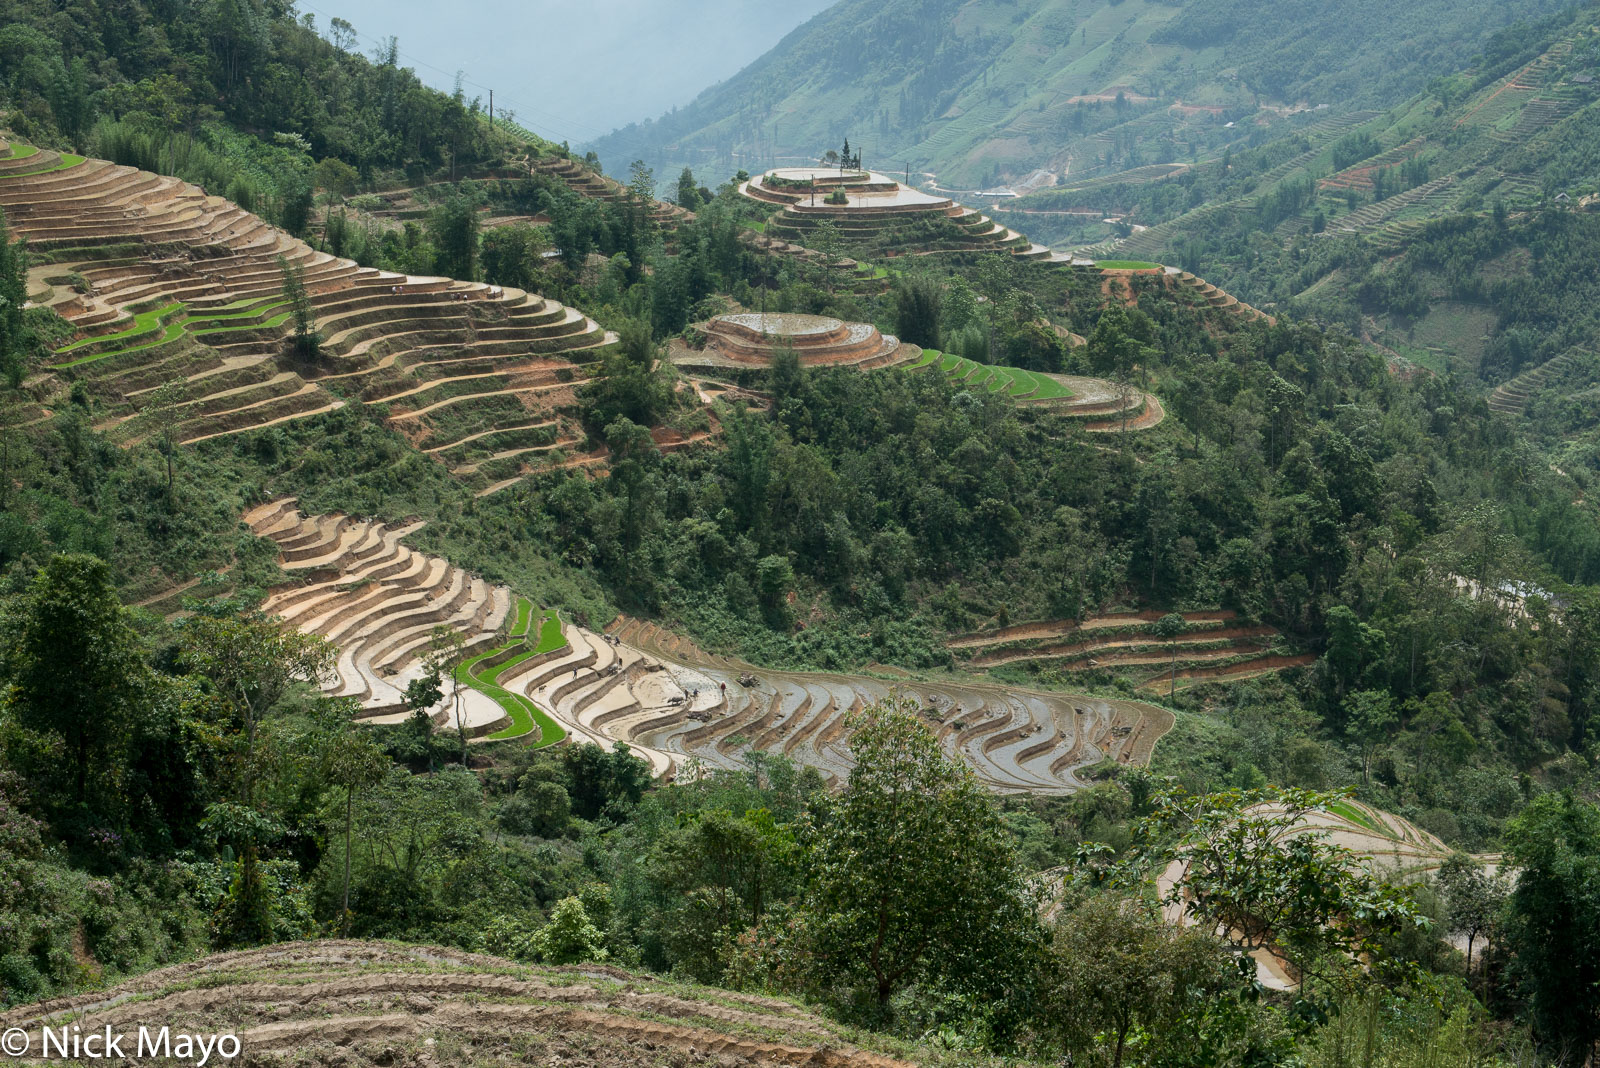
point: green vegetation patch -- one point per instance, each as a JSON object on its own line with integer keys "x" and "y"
{"x": 143, "y": 323}
{"x": 149, "y": 322}
{"x": 1126, "y": 265}
{"x": 1345, "y": 810}
{"x": 67, "y": 160}
{"x": 526, "y": 717}
{"x": 1011, "y": 381}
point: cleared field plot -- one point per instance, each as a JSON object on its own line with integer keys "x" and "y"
{"x": 359, "y": 1004}
{"x": 1213, "y": 646}
{"x": 1126, "y": 265}
{"x": 1101, "y": 406}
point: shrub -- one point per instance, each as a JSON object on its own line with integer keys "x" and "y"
{"x": 19, "y": 979}
{"x": 570, "y": 937}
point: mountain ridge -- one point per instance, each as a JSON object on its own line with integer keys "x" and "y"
{"x": 988, "y": 90}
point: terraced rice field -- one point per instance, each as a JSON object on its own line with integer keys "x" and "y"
{"x": 751, "y": 339}
{"x": 378, "y": 602}
{"x": 185, "y": 290}
{"x": 532, "y": 635}
{"x": 874, "y": 210}
{"x": 1012, "y": 381}
{"x": 1388, "y": 845}
{"x": 1214, "y": 647}
{"x": 361, "y": 1004}
{"x": 534, "y": 677}
{"x": 1099, "y": 405}
{"x": 1016, "y": 740}
{"x": 1512, "y": 396}
{"x": 1392, "y": 845}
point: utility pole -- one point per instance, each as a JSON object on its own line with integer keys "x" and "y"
{"x": 491, "y": 109}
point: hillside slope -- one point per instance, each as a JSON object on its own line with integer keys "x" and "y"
{"x": 373, "y": 1003}
{"x": 1449, "y": 232}
{"x": 993, "y": 90}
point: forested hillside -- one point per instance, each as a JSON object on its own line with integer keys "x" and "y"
{"x": 238, "y": 97}
{"x": 987, "y": 93}
{"x": 409, "y": 533}
{"x": 1448, "y": 233}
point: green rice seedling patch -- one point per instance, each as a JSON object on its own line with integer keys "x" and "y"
{"x": 249, "y": 313}
{"x": 148, "y": 322}
{"x": 276, "y": 320}
{"x": 526, "y": 717}
{"x": 550, "y": 636}
{"x": 1007, "y": 381}
{"x": 67, "y": 160}
{"x": 1049, "y": 388}
{"x": 143, "y": 323}
{"x": 23, "y": 151}
{"x": 1345, "y": 810}
{"x": 1125, "y": 265}
{"x": 171, "y": 333}
{"x": 519, "y": 628}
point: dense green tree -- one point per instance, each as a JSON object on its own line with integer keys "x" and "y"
{"x": 1120, "y": 342}
{"x": 162, "y": 413}
{"x": 1370, "y": 719}
{"x": 1116, "y": 966}
{"x": 18, "y": 341}
{"x": 514, "y": 256}
{"x": 1247, "y": 865}
{"x": 1170, "y": 627}
{"x": 916, "y": 313}
{"x": 74, "y": 672}
{"x": 453, "y": 230}
{"x": 913, "y": 877}
{"x": 604, "y": 783}
{"x": 354, "y": 762}
{"x": 570, "y": 937}
{"x": 307, "y": 342}
{"x": 1553, "y": 922}
{"x": 1474, "y": 897}
{"x": 541, "y": 807}
{"x": 688, "y": 191}
{"x": 632, "y": 382}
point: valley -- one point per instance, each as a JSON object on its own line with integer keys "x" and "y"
{"x": 1011, "y": 531}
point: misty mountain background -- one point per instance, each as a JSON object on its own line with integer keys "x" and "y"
{"x": 574, "y": 72}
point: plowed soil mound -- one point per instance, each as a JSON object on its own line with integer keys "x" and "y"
{"x": 372, "y": 1003}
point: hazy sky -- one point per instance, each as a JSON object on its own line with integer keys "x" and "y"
{"x": 574, "y": 70}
